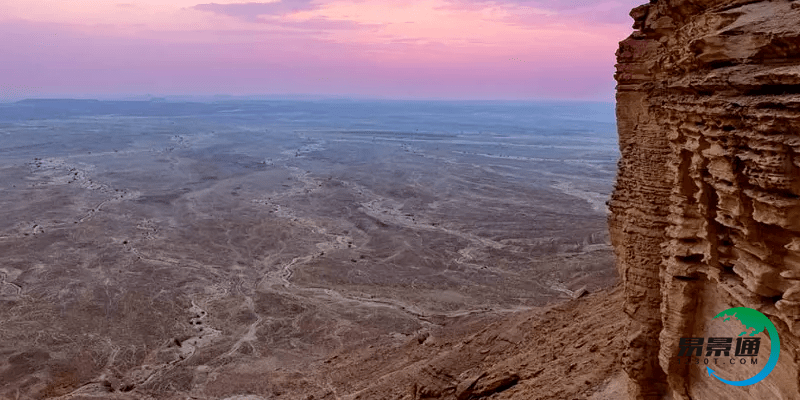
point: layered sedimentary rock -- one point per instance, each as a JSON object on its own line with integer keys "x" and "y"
{"x": 706, "y": 211}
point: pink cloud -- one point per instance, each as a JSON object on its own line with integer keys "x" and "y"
{"x": 252, "y": 11}
{"x": 473, "y": 50}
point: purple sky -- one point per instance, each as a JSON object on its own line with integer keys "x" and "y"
{"x": 460, "y": 49}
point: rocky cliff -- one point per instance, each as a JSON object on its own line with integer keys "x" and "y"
{"x": 706, "y": 211}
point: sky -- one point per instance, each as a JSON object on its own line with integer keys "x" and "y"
{"x": 405, "y": 49}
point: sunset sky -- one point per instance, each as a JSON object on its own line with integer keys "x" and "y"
{"x": 449, "y": 49}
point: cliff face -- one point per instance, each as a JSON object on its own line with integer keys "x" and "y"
{"x": 706, "y": 212}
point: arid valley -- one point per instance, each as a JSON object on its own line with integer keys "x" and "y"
{"x": 259, "y": 250}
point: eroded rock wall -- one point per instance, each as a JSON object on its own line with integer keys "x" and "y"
{"x": 706, "y": 211}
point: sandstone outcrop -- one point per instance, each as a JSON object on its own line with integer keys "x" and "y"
{"x": 706, "y": 211}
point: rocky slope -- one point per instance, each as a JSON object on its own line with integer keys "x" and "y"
{"x": 706, "y": 211}
{"x": 568, "y": 350}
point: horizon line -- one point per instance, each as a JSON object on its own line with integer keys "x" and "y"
{"x": 178, "y": 98}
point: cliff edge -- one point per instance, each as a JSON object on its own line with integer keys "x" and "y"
{"x": 705, "y": 215}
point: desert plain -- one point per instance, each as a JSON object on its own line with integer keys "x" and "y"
{"x": 316, "y": 250}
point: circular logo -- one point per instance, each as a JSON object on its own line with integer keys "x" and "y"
{"x": 758, "y": 322}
